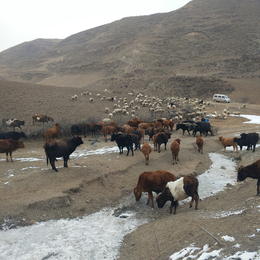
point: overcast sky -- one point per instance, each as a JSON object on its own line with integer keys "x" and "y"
{"x": 27, "y": 20}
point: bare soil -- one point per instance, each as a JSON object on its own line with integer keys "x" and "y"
{"x": 31, "y": 192}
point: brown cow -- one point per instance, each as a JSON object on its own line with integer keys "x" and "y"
{"x": 145, "y": 125}
{"x": 51, "y": 133}
{"x": 171, "y": 124}
{"x": 10, "y": 145}
{"x": 199, "y": 143}
{"x": 108, "y": 130}
{"x": 228, "y": 142}
{"x": 175, "y": 148}
{"x": 134, "y": 123}
{"x": 61, "y": 148}
{"x": 166, "y": 124}
{"x": 91, "y": 127}
{"x": 146, "y": 150}
{"x": 41, "y": 118}
{"x": 152, "y": 181}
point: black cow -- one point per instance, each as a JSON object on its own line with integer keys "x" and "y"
{"x": 250, "y": 140}
{"x": 136, "y": 140}
{"x": 162, "y": 138}
{"x": 185, "y": 127}
{"x": 61, "y": 148}
{"x": 13, "y": 135}
{"x": 76, "y": 129}
{"x": 123, "y": 140}
{"x": 241, "y": 141}
{"x": 202, "y": 127}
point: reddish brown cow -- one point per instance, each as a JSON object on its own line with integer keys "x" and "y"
{"x": 166, "y": 124}
{"x": 112, "y": 123}
{"x": 157, "y": 124}
{"x": 146, "y": 150}
{"x": 199, "y": 143}
{"x": 175, "y": 148}
{"x": 152, "y": 181}
{"x": 10, "y": 145}
{"x": 51, "y": 133}
{"x": 171, "y": 124}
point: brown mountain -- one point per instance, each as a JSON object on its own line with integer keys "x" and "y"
{"x": 200, "y": 49}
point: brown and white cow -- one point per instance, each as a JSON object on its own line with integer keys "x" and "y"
{"x": 177, "y": 190}
{"x": 41, "y": 118}
{"x": 10, "y": 145}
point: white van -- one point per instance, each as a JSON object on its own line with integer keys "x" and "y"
{"x": 221, "y": 98}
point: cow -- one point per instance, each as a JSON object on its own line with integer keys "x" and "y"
{"x": 61, "y": 148}
{"x": 13, "y": 135}
{"x": 108, "y": 130}
{"x": 250, "y": 140}
{"x": 134, "y": 123}
{"x": 51, "y": 133}
{"x": 146, "y": 150}
{"x": 16, "y": 123}
{"x": 202, "y": 127}
{"x": 137, "y": 140}
{"x": 162, "y": 138}
{"x": 91, "y": 127}
{"x": 175, "y": 148}
{"x": 177, "y": 190}
{"x": 252, "y": 171}
{"x": 152, "y": 182}
{"x": 171, "y": 124}
{"x": 123, "y": 140}
{"x": 184, "y": 127}
{"x": 41, "y": 118}
{"x": 199, "y": 143}
{"x": 10, "y": 145}
{"x": 228, "y": 142}
{"x": 166, "y": 124}
{"x": 145, "y": 126}
{"x": 76, "y": 129}
{"x": 241, "y": 141}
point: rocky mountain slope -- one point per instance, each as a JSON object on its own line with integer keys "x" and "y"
{"x": 200, "y": 49}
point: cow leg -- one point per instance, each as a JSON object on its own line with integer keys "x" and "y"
{"x": 65, "y": 159}
{"x": 258, "y": 184}
{"x": 150, "y": 197}
{"x": 7, "y": 157}
{"x": 11, "y": 156}
{"x": 128, "y": 149}
{"x": 52, "y": 163}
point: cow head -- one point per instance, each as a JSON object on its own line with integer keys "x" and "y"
{"x": 137, "y": 193}
{"x": 241, "y": 173}
{"x": 20, "y": 144}
{"x": 163, "y": 197}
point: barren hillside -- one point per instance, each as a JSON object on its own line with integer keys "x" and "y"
{"x": 198, "y": 50}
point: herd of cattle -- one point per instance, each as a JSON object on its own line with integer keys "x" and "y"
{"x": 132, "y": 134}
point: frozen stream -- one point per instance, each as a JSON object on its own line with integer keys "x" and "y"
{"x": 99, "y": 235}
